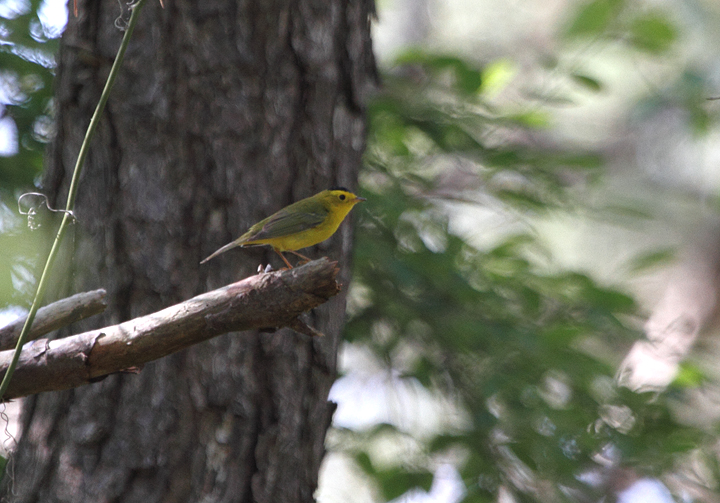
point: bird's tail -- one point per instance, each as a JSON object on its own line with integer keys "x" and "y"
{"x": 225, "y": 248}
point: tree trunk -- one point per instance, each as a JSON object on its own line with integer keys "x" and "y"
{"x": 223, "y": 113}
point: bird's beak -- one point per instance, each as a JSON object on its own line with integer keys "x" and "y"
{"x": 360, "y": 199}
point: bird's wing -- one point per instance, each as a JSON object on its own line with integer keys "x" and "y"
{"x": 286, "y": 223}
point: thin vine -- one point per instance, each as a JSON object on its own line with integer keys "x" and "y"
{"x": 72, "y": 193}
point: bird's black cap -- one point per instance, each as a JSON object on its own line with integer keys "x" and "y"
{"x": 339, "y": 188}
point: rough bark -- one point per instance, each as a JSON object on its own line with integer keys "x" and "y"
{"x": 224, "y": 112}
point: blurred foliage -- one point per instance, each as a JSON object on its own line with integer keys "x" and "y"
{"x": 642, "y": 29}
{"x": 24, "y": 239}
{"x": 528, "y": 354}
{"x": 27, "y": 61}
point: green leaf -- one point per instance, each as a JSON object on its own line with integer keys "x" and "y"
{"x": 653, "y": 33}
{"x": 446, "y": 441}
{"x": 468, "y": 79}
{"x": 497, "y": 75}
{"x": 476, "y": 497}
{"x": 652, "y": 259}
{"x": 521, "y": 199}
{"x": 536, "y": 119}
{"x": 628, "y": 211}
{"x": 561, "y": 334}
{"x": 689, "y": 376}
{"x": 576, "y": 160}
{"x": 364, "y": 462}
{"x": 397, "y": 481}
{"x": 587, "y": 82}
{"x": 594, "y": 18}
{"x": 610, "y": 300}
{"x": 424, "y": 371}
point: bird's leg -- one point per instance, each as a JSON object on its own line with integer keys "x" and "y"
{"x": 305, "y": 259}
{"x": 283, "y": 257}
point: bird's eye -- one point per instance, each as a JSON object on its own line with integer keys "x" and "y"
{"x": 342, "y": 197}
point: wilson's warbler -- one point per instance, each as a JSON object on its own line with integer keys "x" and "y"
{"x": 302, "y": 224}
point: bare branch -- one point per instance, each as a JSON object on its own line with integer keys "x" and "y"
{"x": 270, "y": 300}
{"x": 56, "y": 315}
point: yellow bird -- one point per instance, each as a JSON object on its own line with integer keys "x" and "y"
{"x": 302, "y": 224}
